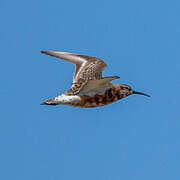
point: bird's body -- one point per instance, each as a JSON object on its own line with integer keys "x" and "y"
{"x": 112, "y": 94}
{"x": 89, "y": 88}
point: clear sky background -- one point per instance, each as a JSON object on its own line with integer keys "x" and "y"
{"x": 137, "y": 138}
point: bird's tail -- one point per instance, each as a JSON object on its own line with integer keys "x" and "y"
{"x": 51, "y": 102}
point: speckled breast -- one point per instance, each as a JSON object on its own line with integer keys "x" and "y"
{"x": 111, "y": 95}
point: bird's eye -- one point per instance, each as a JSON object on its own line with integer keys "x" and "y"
{"x": 127, "y": 87}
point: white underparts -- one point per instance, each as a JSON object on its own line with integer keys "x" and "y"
{"x": 65, "y": 99}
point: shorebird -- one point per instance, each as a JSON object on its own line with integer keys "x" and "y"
{"x": 89, "y": 88}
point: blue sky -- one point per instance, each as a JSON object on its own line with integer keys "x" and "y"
{"x": 133, "y": 139}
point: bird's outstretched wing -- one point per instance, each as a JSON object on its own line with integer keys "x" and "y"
{"x": 87, "y": 68}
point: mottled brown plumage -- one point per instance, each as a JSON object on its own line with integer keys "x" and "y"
{"x": 89, "y": 88}
{"x": 113, "y": 94}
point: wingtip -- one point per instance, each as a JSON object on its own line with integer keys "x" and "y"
{"x": 117, "y": 77}
{"x": 54, "y": 53}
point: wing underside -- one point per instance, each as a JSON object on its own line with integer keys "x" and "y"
{"x": 88, "y": 72}
{"x": 87, "y": 67}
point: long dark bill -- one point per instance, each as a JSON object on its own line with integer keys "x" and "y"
{"x": 135, "y": 92}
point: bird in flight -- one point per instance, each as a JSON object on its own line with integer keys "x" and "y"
{"x": 89, "y": 88}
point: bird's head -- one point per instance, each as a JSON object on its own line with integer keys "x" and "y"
{"x": 126, "y": 89}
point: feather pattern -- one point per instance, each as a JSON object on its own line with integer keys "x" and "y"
{"x": 86, "y": 68}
